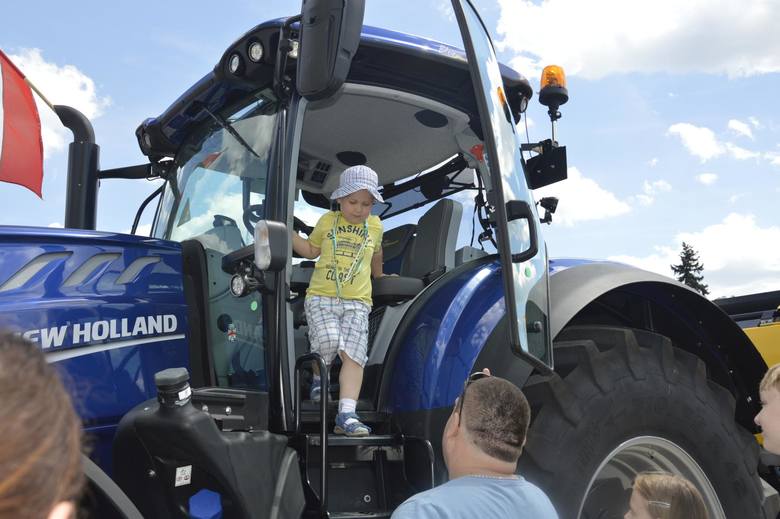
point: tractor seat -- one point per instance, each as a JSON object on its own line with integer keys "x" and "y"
{"x": 430, "y": 253}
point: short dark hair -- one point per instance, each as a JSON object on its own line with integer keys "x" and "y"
{"x": 40, "y": 452}
{"x": 496, "y": 415}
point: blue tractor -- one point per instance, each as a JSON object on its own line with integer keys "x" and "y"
{"x": 625, "y": 370}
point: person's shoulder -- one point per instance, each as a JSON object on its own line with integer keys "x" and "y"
{"x": 536, "y": 497}
{"x": 326, "y": 219}
{"x": 374, "y": 223}
{"x": 423, "y": 505}
{"x": 328, "y": 216}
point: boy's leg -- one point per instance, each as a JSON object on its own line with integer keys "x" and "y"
{"x": 323, "y": 318}
{"x": 350, "y": 378}
{"x": 352, "y": 350}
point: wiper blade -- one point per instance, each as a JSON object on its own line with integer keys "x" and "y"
{"x": 232, "y": 131}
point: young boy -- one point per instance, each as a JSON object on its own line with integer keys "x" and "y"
{"x": 338, "y": 300}
{"x": 769, "y": 417}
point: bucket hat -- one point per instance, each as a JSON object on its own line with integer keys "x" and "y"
{"x": 356, "y": 178}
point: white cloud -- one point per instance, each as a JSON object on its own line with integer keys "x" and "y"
{"x": 614, "y": 36}
{"x": 773, "y": 158}
{"x": 740, "y": 128}
{"x": 733, "y": 199}
{"x": 700, "y": 141}
{"x": 707, "y": 178}
{"x": 582, "y": 199}
{"x": 653, "y": 162}
{"x": 63, "y": 85}
{"x": 651, "y": 189}
{"x": 144, "y": 229}
{"x": 741, "y": 153}
{"x": 755, "y": 122}
{"x": 445, "y": 9}
{"x": 728, "y": 270}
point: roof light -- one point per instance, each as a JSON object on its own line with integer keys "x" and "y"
{"x": 552, "y": 89}
{"x": 234, "y": 63}
{"x": 255, "y": 51}
{"x": 553, "y": 75}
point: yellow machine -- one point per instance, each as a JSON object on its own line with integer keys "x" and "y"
{"x": 759, "y": 316}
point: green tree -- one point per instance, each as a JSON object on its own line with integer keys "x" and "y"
{"x": 689, "y": 270}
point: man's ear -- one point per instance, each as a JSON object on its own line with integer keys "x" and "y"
{"x": 451, "y": 428}
{"x": 62, "y": 510}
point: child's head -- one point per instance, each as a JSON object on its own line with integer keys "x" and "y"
{"x": 769, "y": 416}
{"x": 357, "y": 191}
{"x": 665, "y": 496}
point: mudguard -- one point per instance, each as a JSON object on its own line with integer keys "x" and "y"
{"x": 107, "y": 308}
{"x": 731, "y": 357}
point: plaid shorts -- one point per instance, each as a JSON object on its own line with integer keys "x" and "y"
{"x": 338, "y": 325}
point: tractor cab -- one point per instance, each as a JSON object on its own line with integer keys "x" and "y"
{"x": 252, "y": 152}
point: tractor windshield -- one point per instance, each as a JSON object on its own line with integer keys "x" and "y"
{"x": 220, "y": 187}
{"x": 215, "y": 199}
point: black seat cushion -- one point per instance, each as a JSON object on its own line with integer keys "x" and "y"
{"x": 395, "y": 289}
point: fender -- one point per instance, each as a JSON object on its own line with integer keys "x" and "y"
{"x": 654, "y": 302}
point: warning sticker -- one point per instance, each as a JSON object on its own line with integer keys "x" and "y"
{"x": 183, "y": 476}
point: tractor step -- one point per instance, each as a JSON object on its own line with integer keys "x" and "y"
{"x": 360, "y": 515}
{"x": 367, "y": 476}
{"x": 339, "y": 440}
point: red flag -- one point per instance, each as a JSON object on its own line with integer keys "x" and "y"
{"x": 21, "y": 150}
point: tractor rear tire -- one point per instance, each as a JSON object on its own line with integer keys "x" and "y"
{"x": 626, "y": 401}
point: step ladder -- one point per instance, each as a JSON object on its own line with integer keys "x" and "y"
{"x": 363, "y": 477}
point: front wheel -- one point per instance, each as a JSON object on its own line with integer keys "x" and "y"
{"x": 627, "y": 401}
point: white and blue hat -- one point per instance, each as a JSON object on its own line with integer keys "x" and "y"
{"x": 356, "y": 178}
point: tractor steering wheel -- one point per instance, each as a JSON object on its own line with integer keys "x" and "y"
{"x": 300, "y": 226}
{"x": 253, "y": 214}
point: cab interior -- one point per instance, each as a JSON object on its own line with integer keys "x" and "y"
{"x": 427, "y": 158}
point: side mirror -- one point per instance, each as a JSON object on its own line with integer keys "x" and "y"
{"x": 329, "y": 38}
{"x": 248, "y": 264}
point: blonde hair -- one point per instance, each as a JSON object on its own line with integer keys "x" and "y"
{"x": 771, "y": 379}
{"x": 670, "y": 497}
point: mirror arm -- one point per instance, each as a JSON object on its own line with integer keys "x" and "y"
{"x": 282, "y": 87}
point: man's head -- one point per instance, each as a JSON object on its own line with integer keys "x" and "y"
{"x": 487, "y": 426}
{"x": 769, "y": 417}
{"x": 40, "y": 455}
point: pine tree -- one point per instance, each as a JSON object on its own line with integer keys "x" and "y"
{"x": 689, "y": 270}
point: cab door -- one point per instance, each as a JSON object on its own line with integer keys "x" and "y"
{"x": 518, "y": 231}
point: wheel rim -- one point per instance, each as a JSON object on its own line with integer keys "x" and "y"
{"x": 642, "y": 454}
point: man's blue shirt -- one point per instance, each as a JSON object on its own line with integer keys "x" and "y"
{"x": 482, "y": 497}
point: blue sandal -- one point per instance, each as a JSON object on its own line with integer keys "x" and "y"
{"x": 349, "y": 424}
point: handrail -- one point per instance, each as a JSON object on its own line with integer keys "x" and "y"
{"x": 324, "y": 389}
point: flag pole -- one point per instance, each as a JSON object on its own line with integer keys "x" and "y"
{"x": 43, "y": 97}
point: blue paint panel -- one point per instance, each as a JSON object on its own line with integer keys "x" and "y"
{"x": 445, "y": 339}
{"x": 117, "y": 335}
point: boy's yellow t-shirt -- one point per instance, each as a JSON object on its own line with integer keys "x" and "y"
{"x": 349, "y": 238}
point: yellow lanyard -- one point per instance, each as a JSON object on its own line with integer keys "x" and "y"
{"x": 358, "y": 257}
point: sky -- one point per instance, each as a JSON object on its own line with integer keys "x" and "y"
{"x": 672, "y": 127}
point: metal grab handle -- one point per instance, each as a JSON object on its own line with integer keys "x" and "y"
{"x": 324, "y": 391}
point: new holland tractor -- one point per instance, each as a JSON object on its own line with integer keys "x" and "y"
{"x": 625, "y": 370}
